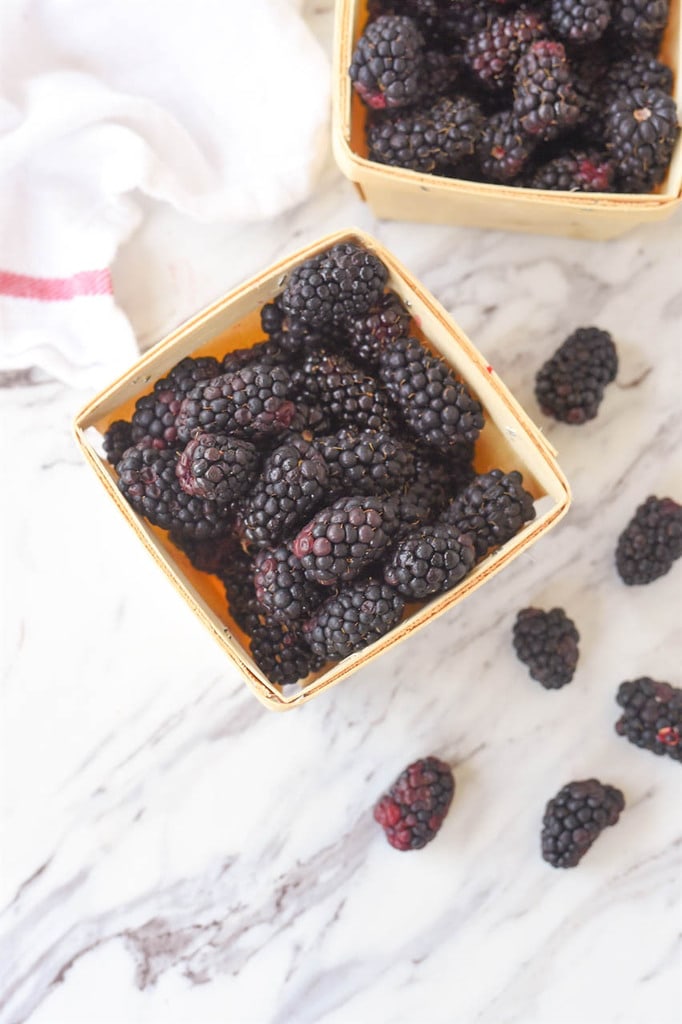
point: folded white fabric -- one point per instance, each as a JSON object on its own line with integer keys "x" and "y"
{"x": 218, "y": 107}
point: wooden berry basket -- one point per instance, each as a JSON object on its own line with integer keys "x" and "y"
{"x": 397, "y": 194}
{"x": 509, "y": 441}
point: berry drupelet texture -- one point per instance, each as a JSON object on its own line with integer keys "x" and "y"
{"x": 547, "y": 642}
{"x": 117, "y": 439}
{"x": 637, "y": 71}
{"x": 580, "y": 21}
{"x": 236, "y": 575}
{"x": 640, "y": 131}
{"x": 218, "y": 467}
{"x": 334, "y": 287}
{"x": 366, "y": 462}
{"x": 503, "y": 148}
{"x": 433, "y": 404}
{"x": 545, "y": 102}
{"x": 438, "y": 478}
{"x": 252, "y": 402}
{"x": 414, "y": 808}
{"x": 639, "y": 22}
{"x": 429, "y": 561}
{"x": 282, "y": 588}
{"x": 280, "y": 652}
{"x": 652, "y": 716}
{"x": 493, "y": 53}
{"x": 347, "y": 393}
{"x": 575, "y": 817}
{"x": 576, "y": 171}
{"x": 383, "y": 324}
{"x": 387, "y": 67}
{"x": 651, "y": 542}
{"x": 356, "y": 615}
{"x": 570, "y": 385}
{"x": 491, "y": 509}
{"x": 343, "y": 539}
{"x": 293, "y": 483}
{"x": 431, "y": 140}
{"x": 155, "y": 416}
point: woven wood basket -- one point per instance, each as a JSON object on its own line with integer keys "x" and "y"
{"x": 509, "y": 441}
{"x": 397, "y": 194}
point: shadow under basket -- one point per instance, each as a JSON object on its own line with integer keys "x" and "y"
{"x": 509, "y": 441}
{"x": 397, "y": 194}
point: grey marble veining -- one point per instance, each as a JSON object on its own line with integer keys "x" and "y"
{"x": 173, "y": 852}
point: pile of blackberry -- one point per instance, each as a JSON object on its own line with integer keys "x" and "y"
{"x": 325, "y": 474}
{"x": 562, "y": 95}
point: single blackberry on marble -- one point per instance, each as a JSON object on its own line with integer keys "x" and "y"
{"x": 217, "y": 466}
{"x": 155, "y": 416}
{"x": 293, "y": 483}
{"x": 252, "y": 402}
{"x": 580, "y": 21}
{"x": 282, "y": 588}
{"x": 117, "y": 439}
{"x": 547, "y": 643}
{"x": 570, "y": 385}
{"x": 575, "y": 818}
{"x": 492, "y": 509}
{"x": 652, "y": 716}
{"x": 494, "y": 52}
{"x": 651, "y": 542}
{"x": 433, "y": 404}
{"x": 431, "y": 139}
{"x": 350, "y": 395}
{"x": 366, "y": 462}
{"x": 429, "y": 561}
{"x": 383, "y": 324}
{"x": 640, "y": 132}
{"x": 503, "y": 149}
{"x": 414, "y": 808}
{"x": 387, "y": 66}
{"x": 342, "y": 540}
{"x": 358, "y": 613}
{"x": 335, "y": 286}
{"x": 545, "y": 101}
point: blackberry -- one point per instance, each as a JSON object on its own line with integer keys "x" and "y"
{"x": 413, "y": 809}
{"x": 410, "y": 513}
{"x": 249, "y": 403}
{"x": 265, "y": 353}
{"x": 236, "y": 573}
{"x": 280, "y": 653}
{"x": 387, "y": 66}
{"x": 437, "y": 479}
{"x": 349, "y": 394}
{"x": 366, "y": 462}
{"x": 575, "y": 171}
{"x": 570, "y": 385}
{"x": 218, "y": 467}
{"x": 637, "y": 71}
{"x": 434, "y": 405}
{"x": 651, "y": 542}
{"x": 580, "y": 21}
{"x": 503, "y": 149}
{"x": 652, "y": 716}
{"x": 293, "y": 483}
{"x": 213, "y": 555}
{"x": 574, "y": 819}
{"x": 334, "y": 287}
{"x": 147, "y": 480}
{"x": 310, "y": 420}
{"x": 383, "y": 324}
{"x": 639, "y": 21}
{"x": 640, "y": 132}
{"x": 117, "y": 439}
{"x": 492, "y": 509}
{"x": 293, "y": 336}
{"x": 359, "y": 613}
{"x": 430, "y": 561}
{"x": 494, "y": 52}
{"x": 156, "y": 414}
{"x": 429, "y": 140}
{"x": 545, "y": 102}
{"x": 343, "y": 539}
{"x": 441, "y": 72}
{"x": 282, "y": 588}
{"x": 547, "y": 642}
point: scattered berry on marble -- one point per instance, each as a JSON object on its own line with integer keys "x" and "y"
{"x": 547, "y": 642}
{"x": 570, "y": 385}
{"x": 651, "y": 542}
{"x": 652, "y": 716}
{"x": 575, "y": 818}
{"x": 412, "y": 811}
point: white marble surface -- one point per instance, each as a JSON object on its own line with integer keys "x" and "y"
{"x": 172, "y": 852}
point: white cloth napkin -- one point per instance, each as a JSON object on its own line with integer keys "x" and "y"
{"x": 218, "y": 107}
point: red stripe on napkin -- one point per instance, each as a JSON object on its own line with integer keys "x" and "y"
{"x": 55, "y": 289}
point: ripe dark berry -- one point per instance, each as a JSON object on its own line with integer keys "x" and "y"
{"x": 412, "y": 811}
{"x": 156, "y": 414}
{"x": 383, "y": 324}
{"x": 280, "y": 652}
{"x": 116, "y": 440}
{"x": 576, "y": 171}
{"x": 282, "y": 588}
{"x": 494, "y": 52}
{"x": 575, "y": 817}
{"x": 432, "y": 139}
{"x": 334, "y": 287}
{"x": 387, "y": 68}
{"x": 545, "y": 102}
{"x": 503, "y": 149}
{"x": 366, "y": 462}
{"x": 547, "y": 642}
{"x": 639, "y": 22}
{"x": 218, "y": 467}
{"x": 652, "y": 716}
{"x": 640, "y": 131}
{"x": 356, "y": 615}
{"x": 570, "y": 386}
{"x": 429, "y": 561}
{"x": 651, "y": 542}
{"x": 349, "y": 395}
{"x": 580, "y": 21}
{"x": 491, "y": 509}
